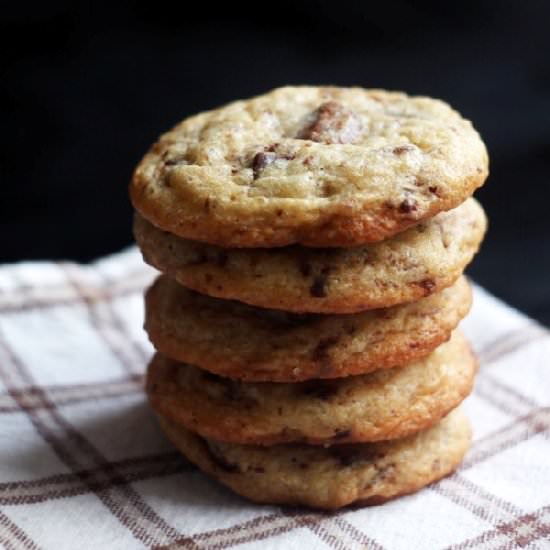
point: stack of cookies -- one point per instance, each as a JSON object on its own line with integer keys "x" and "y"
{"x": 312, "y": 243}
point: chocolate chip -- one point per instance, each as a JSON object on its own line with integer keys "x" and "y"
{"x": 320, "y": 389}
{"x": 332, "y": 123}
{"x": 264, "y": 158}
{"x": 258, "y": 470}
{"x": 428, "y": 285}
{"x": 318, "y": 288}
{"x": 407, "y": 206}
{"x": 401, "y": 149}
{"x": 220, "y": 461}
{"x": 320, "y": 352}
{"x": 346, "y": 455}
{"x": 434, "y": 190}
{"x": 261, "y": 161}
{"x": 207, "y": 205}
{"x": 341, "y": 434}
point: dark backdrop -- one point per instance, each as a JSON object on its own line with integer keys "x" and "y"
{"x": 85, "y": 89}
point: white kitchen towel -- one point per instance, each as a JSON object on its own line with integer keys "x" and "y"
{"x": 83, "y": 464}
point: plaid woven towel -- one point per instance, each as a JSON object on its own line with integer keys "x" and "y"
{"x": 83, "y": 464}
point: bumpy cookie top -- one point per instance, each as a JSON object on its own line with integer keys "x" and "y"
{"x": 319, "y": 166}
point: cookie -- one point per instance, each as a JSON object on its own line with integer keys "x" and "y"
{"x": 314, "y": 166}
{"x": 414, "y": 264}
{"x": 329, "y": 477}
{"x": 385, "y": 404}
{"x": 254, "y": 344}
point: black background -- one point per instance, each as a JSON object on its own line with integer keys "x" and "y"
{"x": 86, "y": 88}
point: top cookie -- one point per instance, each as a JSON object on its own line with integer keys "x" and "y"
{"x": 316, "y": 166}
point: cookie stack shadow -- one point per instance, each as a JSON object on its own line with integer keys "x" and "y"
{"x": 315, "y": 376}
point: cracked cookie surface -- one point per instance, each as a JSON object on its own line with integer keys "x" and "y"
{"x": 414, "y": 264}
{"x": 254, "y": 344}
{"x": 333, "y": 477}
{"x": 385, "y": 404}
{"x": 317, "y": 166}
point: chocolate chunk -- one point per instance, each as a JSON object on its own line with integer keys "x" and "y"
{"x": 428, "y": 285}
{"x": 261, "y": 161}
{"x": 434, "y": 190}
{"x": 318, "y": 288}
{"x": 320, "y": 353}
{"x": 341, "y": 434}
{"x": 220, "y": 461}
{"x": 346, "y": 455}
{"x": 320, "y": 389}
{"x": 264, "y": 158}
{"x": 407, "y": 206}
{"x": 401, "y": 149}
{"x": 332, "y": 123}
{"x": 258, "y": 470}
